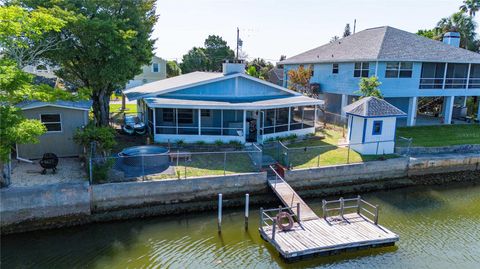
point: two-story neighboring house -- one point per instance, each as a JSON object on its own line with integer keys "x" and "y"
{"x": 157, "y": 70}
{"x": 408, "y": 66}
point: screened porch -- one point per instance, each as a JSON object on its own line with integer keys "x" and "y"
{"x": 209, "y": 125}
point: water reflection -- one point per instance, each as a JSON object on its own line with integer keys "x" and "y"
{"x": 439, "y": 227}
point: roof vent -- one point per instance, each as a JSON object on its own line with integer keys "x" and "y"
{"x": 452, "y": 39}
{"x": 233, "y": 66}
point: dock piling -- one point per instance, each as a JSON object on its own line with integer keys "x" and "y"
{"x": 247, "y": 200}
{"x": 359, "y": 200}
{"x": 324, "y": 209}
{"x": 274, "y": 227}
{"x": 342, "y": 205}
{"x": 261, "y": 218}
{"x": 298, "y": 212}
{"x": 219, "y": 212}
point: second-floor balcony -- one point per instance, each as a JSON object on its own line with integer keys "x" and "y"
{"x": 450, "y": 76}
{"x": 449, "y": 83}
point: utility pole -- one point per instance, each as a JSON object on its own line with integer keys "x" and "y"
{"x": 354, "y": 25}
{"x": 238, "y": 40}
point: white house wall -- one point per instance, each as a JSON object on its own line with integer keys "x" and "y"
{"x": 172, "y": 138}
{"x": 365, "y": 142}
{"x": 356, "y": 130}
{"x": 299, "y": 132}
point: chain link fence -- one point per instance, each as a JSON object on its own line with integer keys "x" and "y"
{"x": 331, "y": 120}
{"x": 327, "y": 155}
{"x": 403, "y": 145}
{"x": 180, "y": 163}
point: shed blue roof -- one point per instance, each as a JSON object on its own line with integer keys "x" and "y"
{"x": 373, "y": 107}
{"x": 81, "y": 105}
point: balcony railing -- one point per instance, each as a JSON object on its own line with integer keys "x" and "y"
{"x": 449, "y": 83}
{"x": 474, "y": 83}
{"x": 431, "y": 83}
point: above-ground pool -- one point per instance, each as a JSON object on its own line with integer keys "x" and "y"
{"x": 144, "y": 160}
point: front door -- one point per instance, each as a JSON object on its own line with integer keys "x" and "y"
{"x": 252, "y": 126}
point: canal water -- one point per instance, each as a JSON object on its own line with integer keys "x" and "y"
{"x": 439, "y": 227}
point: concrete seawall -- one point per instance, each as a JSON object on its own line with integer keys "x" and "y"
{"x": 116, "y": 196}
{"x": 458, "y": 149}
{"x": 24, "y": 209}
{"x": 347, "y": 174}
{"x": 30, "y": 204}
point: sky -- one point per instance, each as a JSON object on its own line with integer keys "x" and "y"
{"x": 271, "y": 28}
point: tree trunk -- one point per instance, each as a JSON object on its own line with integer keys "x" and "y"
{"x": 101, "y": 109}
{"x": 123, "y": 101}
{"x": 5, "y": 171}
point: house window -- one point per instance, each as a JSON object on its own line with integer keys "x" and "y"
{"x": 311, "y": 70}
{"x": 168, "y": 115}
{"x": 377, "y": 127}
{"x": 334, "y": 68}
{"x": 432, "y": 75}
{"x": 361, "y": 70}
{"x": 52, "y": 122}
{"x": 185, "y": 116}
{"x": 399, "y": 70}
{"x": 155, "y": 68}
{"x": 205, "y": 112}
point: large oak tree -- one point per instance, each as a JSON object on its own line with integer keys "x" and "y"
{"x": 103, "y": 46}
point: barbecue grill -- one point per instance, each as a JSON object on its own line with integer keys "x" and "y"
{"x": 49, "y": 161}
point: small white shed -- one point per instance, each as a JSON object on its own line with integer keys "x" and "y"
{"x": 371, "y": 125}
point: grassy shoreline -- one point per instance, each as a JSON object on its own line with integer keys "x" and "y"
{"x": 441, "y": 135}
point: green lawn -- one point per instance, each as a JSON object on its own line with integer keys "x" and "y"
{"x": 129, "y": 108}
{"x": 211, "y": 164}
{"x": 441, "y": 135}
{"x": 317, "y": 152}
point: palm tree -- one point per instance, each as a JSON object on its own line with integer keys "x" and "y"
{"x": 459, "y": 22}
{"x": 470, "y": 7}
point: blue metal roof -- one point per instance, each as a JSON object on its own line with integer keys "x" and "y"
{"x": 82, "y": 105}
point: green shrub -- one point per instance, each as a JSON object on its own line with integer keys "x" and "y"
{"x": 218, "y": 142}
{"x": 291, "y": 137}
{"x": 101, "y": 169}
{"x": 180, "y": 142}
{"x": 103, "y": 137}
{"x": 271, "y": 139}
{"x": 201, "y": 143}
{"x": 235, "y": 143}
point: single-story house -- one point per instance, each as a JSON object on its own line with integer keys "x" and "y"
{"x": 61, "y": 119}
{"x": 372, "y": 123}
{"x": 226, "y": 106}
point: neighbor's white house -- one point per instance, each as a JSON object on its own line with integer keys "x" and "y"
{"x": 226, "y": 106}
{"x": 371, "y": 125}
{"x": 156, "y": 70}
{"x": 410, "y": 68}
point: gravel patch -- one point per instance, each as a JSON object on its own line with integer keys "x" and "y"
{"x": 69, "y": 170}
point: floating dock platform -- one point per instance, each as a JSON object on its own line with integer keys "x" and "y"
{"x": 346, "y": 225}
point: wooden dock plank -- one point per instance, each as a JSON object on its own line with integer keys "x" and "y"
{"x": 315, "y": 235}
{"x": 319, "y": 235}
{"x": 290, "y": 199}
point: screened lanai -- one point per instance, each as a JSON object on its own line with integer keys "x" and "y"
{"x": 250, "y": 124}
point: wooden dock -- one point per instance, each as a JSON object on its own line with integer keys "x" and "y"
{"x": 346, "y": 224}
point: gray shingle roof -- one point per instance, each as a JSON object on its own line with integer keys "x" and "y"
{"x": 82, "y": 105}
{"x": 373, "y": 107}
{"x": 385, "y": 44}
{"x": 171, "y": 83}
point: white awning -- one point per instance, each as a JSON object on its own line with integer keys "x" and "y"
{"x": 291, "y": 101}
